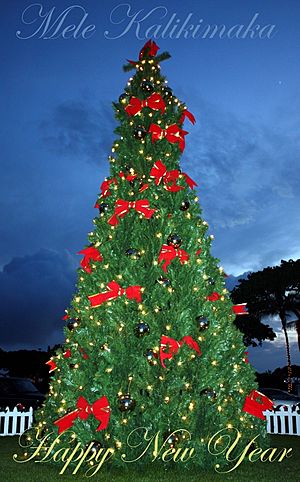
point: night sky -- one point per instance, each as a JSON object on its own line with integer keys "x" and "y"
{"x": 57, "y": 130}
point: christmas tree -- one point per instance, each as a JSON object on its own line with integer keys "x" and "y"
{"x": 150, "y": 340}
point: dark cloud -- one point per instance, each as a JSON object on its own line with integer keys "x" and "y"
{"x": 35, "y": 290}
{"x": 273, "y": 354}
{"x": 247, "y": 175}
{"x": 78, "y": 128}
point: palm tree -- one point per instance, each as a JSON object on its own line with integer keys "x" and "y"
{"x": 274, "y": 291}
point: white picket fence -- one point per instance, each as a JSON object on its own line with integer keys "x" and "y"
{"x": 14, "y": 422}
{"x": 283, "y": 421}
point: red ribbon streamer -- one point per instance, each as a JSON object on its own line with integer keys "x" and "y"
{"x": 129, "y": 177}
{"x": 189, "y": 115}
{"x": 255, "y": 407}
{"x": 105, "y": 187}
{"x": 167, "y": 253}
{"x": 52, "y": 365}
{"x": 100, "y": 409}
{"x": 189, "y": 181}
{"x": 172, "y": 133}
{"x": 90, "y": 253}
{"x": 154, "y": 102}
{"x": 173, "y": 346}
{"x": 159, "y": 172}
{"x": 189, "y": 341}
{"x": 143, "y": 187}
{"x": 123, "y": 207}
{"x": 240, "y": 309}
{"x": 115, "y": 290}
{"x": 67, "y": 353}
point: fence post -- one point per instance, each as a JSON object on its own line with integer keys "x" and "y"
{"x": 9, "y": 420}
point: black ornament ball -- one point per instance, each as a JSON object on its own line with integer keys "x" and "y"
{"x": 171, "y": 439}
{"x": 165, "y": 282}
{"x": 133, "y": 253}
{"x": 147, "y": 86}
{"x": 123, "y": 99}
{"x": 94, "y": 446}
{"x": 167, "y": 92}
{"x": 203, "y": 323}
{"x": 141, "y": 329}
{"x": 140, "y": 132}
{"x": 208, "y": 393}
{"x": 103, "y": 208}
{"x": 72, "y": 325}
{"x": 184, "y": 205}
{"x": 126, "y": 403}
{"x": 211, "y": 281}
{"x": 174, "y": 240}
{"x": 150, "y": 356}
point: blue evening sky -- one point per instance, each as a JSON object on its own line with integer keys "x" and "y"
{"x": 57, "y": 130}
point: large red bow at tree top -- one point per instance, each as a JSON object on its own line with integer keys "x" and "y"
{"x": 154, "y": 102}
{"x": 90, "y": 254}
{"x": 167, "y": 253}
{"x": 172, "y": 133}
{"x": 115, "y": 290}
{"x": 100, "y": 409}
{"x": 151, "y": 47}
{"x": 169, "y": 347}
{"x": 159, "y": 172}
{"x": 123, "y": 207}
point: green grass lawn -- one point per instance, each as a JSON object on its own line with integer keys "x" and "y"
{"x": 288, "y": 470}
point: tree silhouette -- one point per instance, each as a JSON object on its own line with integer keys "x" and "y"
{"x": 274, "y": 291}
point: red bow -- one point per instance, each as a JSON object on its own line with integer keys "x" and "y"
{"x": 115, "y": 290}
{"x": 154, "y": 102}
{"x": 189, "y": 115}
{"x": 105, "y": 187}
{"x": 173, "y": 346}
{"x": 90, "y": 253}
{"x": 172, "y": 133}
{"x": 67, "y": 353}
{"x": 159, "y": 172}
{"x": 167, "y": 253}
{"x": 100, "y": 409}
{"x": 123, "y": 207}
{"x": 240, "y": 309}
{"x": 52, "y": 365}
{"x": 152, "y": 48}
{"x": 213, "y": 297}
{"x": 255, "y": 407}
